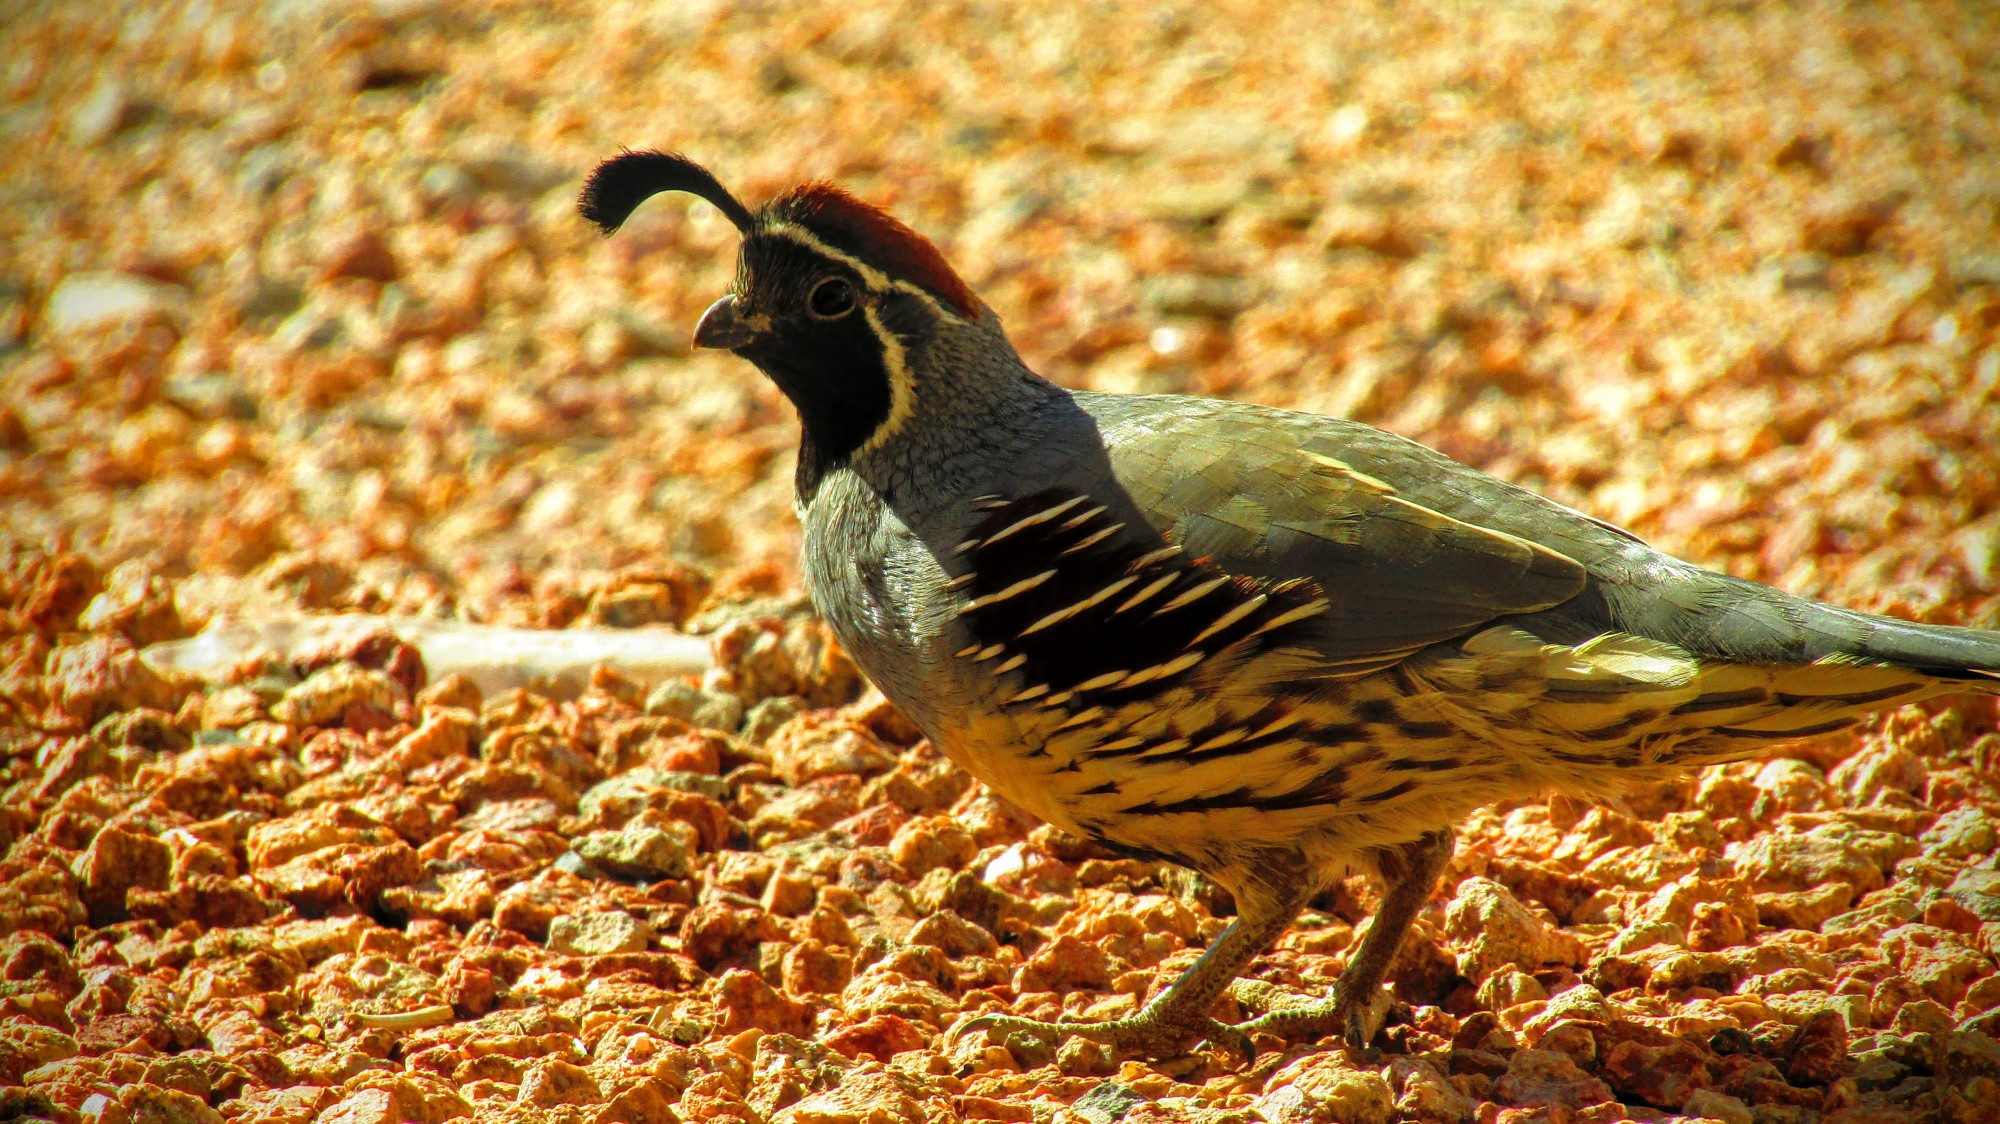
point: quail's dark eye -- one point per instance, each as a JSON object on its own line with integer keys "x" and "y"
{"x": 831, "y": 299}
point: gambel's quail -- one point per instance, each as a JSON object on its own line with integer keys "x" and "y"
{"x": 1270, "y": 646}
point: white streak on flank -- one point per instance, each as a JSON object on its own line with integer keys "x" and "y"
{"x": 1229, "y": 618}
{"x": 1010, "y": 665}
{"x": 1099, "y": 682}
{"x": 1311, "y": 608}
{"x": 1076, "y": 521}
{"x": 1192, "y": 595}
{"x": 1033, "y": 692}
{"x": 988, "y": 499}
{"x": 1091, "y": 715}
{"x": 1352, "y": 473}
{"x": 1279, "y": 723}
{"x": 1061, "y": 615}
{"x": 1162, "y": 670}
{"x": 1022, "y": 586}
{"x": 960, "y": 582}
{"x": 1041, "y": 516}
{"x": 1156, "y": 586}
{"x": 1227, "y": 737}
{"x": 1093, "y": 540}
{"x": 988, "y": 652}
{"x": 1160, "y": 555}
{"x": 967, "y": 545}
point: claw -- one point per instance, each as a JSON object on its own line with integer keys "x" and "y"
{"x": 1234, "y": 1038}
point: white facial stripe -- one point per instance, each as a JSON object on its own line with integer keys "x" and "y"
{"x": 873, "y": 278}
{"x": 902, "y": 393}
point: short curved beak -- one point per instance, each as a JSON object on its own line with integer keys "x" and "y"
{"x": 721, "y": 328}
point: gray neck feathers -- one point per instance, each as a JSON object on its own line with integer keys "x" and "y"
{"x": 975, "y": 406}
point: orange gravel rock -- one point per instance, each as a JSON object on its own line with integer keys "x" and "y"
{"x": 296, "y": 317}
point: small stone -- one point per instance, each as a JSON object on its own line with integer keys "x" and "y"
{"x": 86, "y": 301}
{"x": 1805, "y": 861}
{"x": 708, "y": 710}
{"x": 446, "y": 183}
{"x": 1194, "y": 294}
{"x": 1326, "y": 1087}
{"x": 1490, "y": 929}
{"x": 868, "y": 1094}
{"x": 330, "y": 696}
{"x": 101, "y": 114}
{"x": 953, "y": 934}
{"x": 1707, "y": 1104}
{"x": 637, "y": 851}
{"x": 810, "y": 747}
{"x": 1960, "y": 834}
{"x": 929, "y": 842}
{"x": 880, "y": 1037}
{"x": 1803, "y": 909}
{"x": 1817, "y": 1053}
{"x": 628, "y": 791}
{"x": 598, "y": 934}
{"x": 118, "y": 860}
{"x": 1426, "y": 1095}
{"x": 557, "y": 1081}
{"x": 1544, "y": 1077}
{"x": 1922, "y": 1016}
{"x": 1844, "y": 228}
{"x": 1506, "y": 988}
{"x": 1803, "y": 273}
{"x": 765, "y": 718}
{"x": 361, "y": 254}
{"x": 1978, "y": 890}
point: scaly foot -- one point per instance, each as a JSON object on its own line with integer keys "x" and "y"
{"x": 1357, "y": 1016}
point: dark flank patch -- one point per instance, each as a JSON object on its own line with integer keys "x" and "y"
{"x": 1345, "y": 733}
{"x": 1400, "y": 788}
{"x": 1722, "y": 700}
{"x": 1858, "y": 698}
{"x": 1376, "y": 710}
{"x": 1796, "y": 732}
{"x": 1412, "y": 764}
{"x": 1328, "y": 788}
{"x": 1098, "y": 614}
{"x": 1621, "y": 728}
{"x": 1425, "y": 731}
{"x": 1142, "y": 854}
{"x": 1558, "y": 692}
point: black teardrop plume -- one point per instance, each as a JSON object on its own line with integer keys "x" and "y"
{"x": 623, "y": 182}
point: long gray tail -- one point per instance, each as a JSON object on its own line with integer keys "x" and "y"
{"x": 1945, "y": 651}
{"x": 1720, "y": 617}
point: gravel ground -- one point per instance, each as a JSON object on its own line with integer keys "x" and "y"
{"x": 296, "y": 316}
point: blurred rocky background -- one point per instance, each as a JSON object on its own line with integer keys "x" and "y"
{"x": 296, "y": 315}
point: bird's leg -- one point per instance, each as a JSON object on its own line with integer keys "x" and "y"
{"x": 1179, "y": 1017}
{"x": 1355, "y": 1008}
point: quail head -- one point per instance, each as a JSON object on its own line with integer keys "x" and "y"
{"x": 1270, "y": 646}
